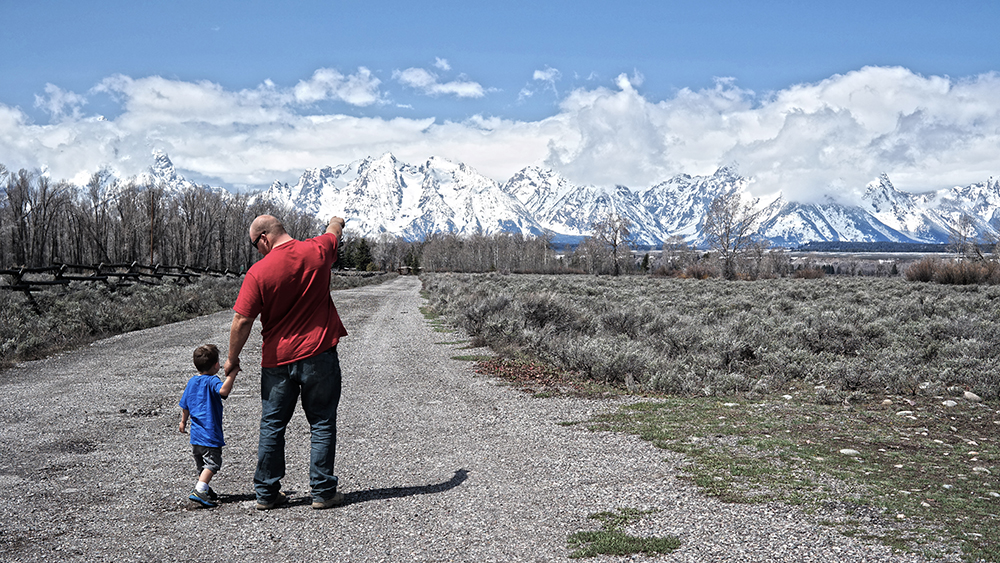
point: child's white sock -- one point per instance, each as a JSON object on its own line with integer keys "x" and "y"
{"x": 201, "y": 487}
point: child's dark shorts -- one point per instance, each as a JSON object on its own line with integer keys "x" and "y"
{"x": 206, "y": 457}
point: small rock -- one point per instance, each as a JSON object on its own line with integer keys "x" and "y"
{"x": 994, "y": 494}
{"x": 949, "y": 487}
{"x": 786, "y": 397}
{"x": 904, "y": 413}
{"x": 971, "y": 397}
{"x": 848, "y": 451}
{"x": 949, "y": 403}
{"x": 730, "y": 404}
{"x": 981, "y": 470}
{"x": 887, "y": 402}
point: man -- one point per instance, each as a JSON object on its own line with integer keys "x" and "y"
{"x": 290, "y": 289}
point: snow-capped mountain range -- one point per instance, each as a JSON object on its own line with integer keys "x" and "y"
{"x": 384, "y": 195}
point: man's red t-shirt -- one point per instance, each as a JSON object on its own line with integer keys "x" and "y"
{"x": 290, "y": 289}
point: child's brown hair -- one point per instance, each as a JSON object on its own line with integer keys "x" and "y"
{"x": 205, "y": 357}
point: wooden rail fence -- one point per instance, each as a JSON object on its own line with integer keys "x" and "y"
{"x": 117, "y": 275}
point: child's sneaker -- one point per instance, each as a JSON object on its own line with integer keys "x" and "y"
{"x": 212, "y": 496}
{"x": 202, "y": 498}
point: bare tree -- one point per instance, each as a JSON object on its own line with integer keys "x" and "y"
{"x": 99, "y": 218}
{"x": 614, "y": 234}
{"x": 675, "y": 256}
{"x": 731, "y": 227}
{"x": 962, "y": 239}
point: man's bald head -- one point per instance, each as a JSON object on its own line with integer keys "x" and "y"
{"x": 266, "y": 224}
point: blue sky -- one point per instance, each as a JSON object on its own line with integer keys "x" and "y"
{"x": 809, "y": 98}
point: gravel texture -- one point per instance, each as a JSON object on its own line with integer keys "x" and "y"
{"x": 437, "y": 463}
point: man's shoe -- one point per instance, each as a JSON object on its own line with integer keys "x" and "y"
{"x": 278, "y": 501}
{"x": 202, "y": 498}
{"x": 336, "y": 500}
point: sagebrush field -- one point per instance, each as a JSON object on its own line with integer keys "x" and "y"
{"x": 844, "y": 396}
{"x": 849, "y": 338}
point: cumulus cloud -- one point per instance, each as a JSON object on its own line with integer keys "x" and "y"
{"x": 441, "y": 64}
{"x": 428, "y": 83}
{"x": 60, "y": 103}
{"x": 808, "y": 141}
{"x": 359, "y": 89}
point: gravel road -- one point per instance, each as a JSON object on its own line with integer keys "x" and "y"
{"x": 437, "y": 463}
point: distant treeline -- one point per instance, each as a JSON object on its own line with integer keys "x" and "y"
{"x": 115, "y": 221}
{"x": 846, "y": 246}
{"x": 112, "y": 221}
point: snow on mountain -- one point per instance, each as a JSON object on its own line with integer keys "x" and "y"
{"x": 980, "y": 202}
{"x": 795, "y": 223}
{"x": 162, "y": 173}
{"x": 385, "y": 195}
{"x": 680, "y": 203}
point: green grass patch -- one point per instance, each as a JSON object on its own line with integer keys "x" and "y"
{"x": 429, "y": 313}
{"x": 437, "y": 322}
{"x": 611, "y": 540}
{"x": 924, "y": 478}
{"x": 472, "y": 358}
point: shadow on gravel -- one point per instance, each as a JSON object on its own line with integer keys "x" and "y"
{"x": 398, "y": 492}
{"x": 356, "y": 497}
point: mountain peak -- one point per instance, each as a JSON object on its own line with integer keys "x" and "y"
{"x": 385, "y": 195}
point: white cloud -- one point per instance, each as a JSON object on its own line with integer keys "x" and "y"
{"x": 549, "y": 75}
{"x": 359, "y": 89}
{"x": 441, "y": 64}
{"x": 427, "y": 82}
{"x": 809, "y": 140}
{"x": 60, "y": 103}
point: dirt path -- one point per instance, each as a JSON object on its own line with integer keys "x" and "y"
{"x": 438, "y": 464}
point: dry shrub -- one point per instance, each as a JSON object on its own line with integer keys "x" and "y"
{"x": 922, "y": 270}
{"x": 809, "y": 273}
{"x": 953, "y": 272}
{"x": 700, "y": 271}
{"x": 667, "y": 271}
{"x": 962, "y": 272}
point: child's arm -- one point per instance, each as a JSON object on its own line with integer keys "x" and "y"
{"x": 185, "y": 414}
{"x": 227, "y": 385}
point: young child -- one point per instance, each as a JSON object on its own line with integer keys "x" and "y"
{"x": 202, "y": 404}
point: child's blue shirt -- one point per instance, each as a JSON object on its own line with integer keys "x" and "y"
{"x": 201, "y": 398}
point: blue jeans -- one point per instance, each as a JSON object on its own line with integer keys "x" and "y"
{"x": 318, "y": 379}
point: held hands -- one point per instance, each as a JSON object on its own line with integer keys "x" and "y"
{"x": 232, "y": 367}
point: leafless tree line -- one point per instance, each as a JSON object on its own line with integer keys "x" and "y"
{"x": 501, "y": 252}
{"x": 121, "y": 221}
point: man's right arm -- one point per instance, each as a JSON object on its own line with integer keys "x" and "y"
{"x": 239, "y": 332}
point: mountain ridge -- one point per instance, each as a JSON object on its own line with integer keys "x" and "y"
{"x": 383, "y": 195}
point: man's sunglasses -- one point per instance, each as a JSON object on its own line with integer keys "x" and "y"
{"x": 256, "y": 240}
